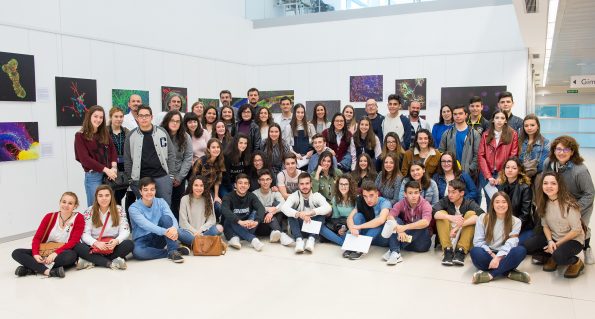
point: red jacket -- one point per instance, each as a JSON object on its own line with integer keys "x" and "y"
{"x": 92, "y": 155}
{"x": 341, "y": 149}
{"x": 75, "y": 233}
{"x": 491, "y": 157}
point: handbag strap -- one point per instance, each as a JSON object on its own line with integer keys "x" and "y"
{"x": 103, "y": 228}
{"x": 48, "y": 227}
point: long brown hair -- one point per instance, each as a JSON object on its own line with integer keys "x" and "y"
{"x": 269, "y": 120}
{"x": 268, "y": 146}
{"x": 113, "y": 209}
{"x": 351, "y": 194}
{"x": 398, "y": 150}
{"x": 205, "y": 194}
{"x": 370, "y": 171}
{"x": 218, "y": 162}
{"x": 314, "y": 120}
{"x": 369, "y": 138}
{"x": 456, "y": 170}
{"x": 569, "y": 142}
{"x": 522, "y": 178}
{"x": 565, "y": 199}
{"x": 523, "y": 136}
{"x": 506, "y": 136}
{"x": 389, "y": 177}
{"x": 294, "y": 122}
{"x": 353, "y": 122}
{"x": 425, "y": 180}
{"x": 102, "y": 133}
{"x": 490, "y": 218}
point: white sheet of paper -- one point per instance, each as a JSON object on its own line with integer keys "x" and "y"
{"x": 359, "y": 243}
{"x": 491, "y": 190}
{"x": 313, "y": 227}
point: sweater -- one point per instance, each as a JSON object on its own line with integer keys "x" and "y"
{"x": 431, "y": 162}
{"x": 325, "y": 185}
{"x": 145, "y": 219}
{"x": 91, "y": 233}
{"x": 390, "y": 125}
{"x": 430, "y": 193}
{"x": 377, "y": 126}
{"x": 389, "y": 191}
{"x": 341, "y": 210}
{"x": 77, "y": 226}
{"x": 192, "y": 216}
{"x": 409, "y": 215}
{"x": 236, "y": 207}
{"x": 133, "y": 151}
{"x": 182, "y": 160}
{"x": 295, "y": 203}
{"x": 271, "y": 199}
{"x": 497, "y": 243}
{"x": 562, "y": 225}
{"x": 92, "y": 155}
{"x": 199, "y": 145}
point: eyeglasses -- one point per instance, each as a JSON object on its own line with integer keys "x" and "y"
{"x": 446, "y": 161}
{"x": 144, "y": 116}
{"x": 562, "y": 150}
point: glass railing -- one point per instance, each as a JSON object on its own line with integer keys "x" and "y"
{"x": 267, "y": 9}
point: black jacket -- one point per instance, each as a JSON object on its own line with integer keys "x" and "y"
{"x": 236, "y": 208}
{"x": 467, "y": 205}
{"x": 521, "y": 197}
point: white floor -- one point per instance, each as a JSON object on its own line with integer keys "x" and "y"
{"x": 276, "y": 283}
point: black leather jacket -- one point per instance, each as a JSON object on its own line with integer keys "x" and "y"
{"x": 521, "y": 197}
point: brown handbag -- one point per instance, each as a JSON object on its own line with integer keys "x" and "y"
{"x": 208, "y": 246}
{"x": 46, "y": 249}
{"x": 95, "y": 250}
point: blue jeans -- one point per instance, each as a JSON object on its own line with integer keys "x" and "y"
{"x": 331, "y": 235}
{"x": 482, "y": 183}
{"x": 481, "y": 259}
{"x": 233, "y": 229}
{"x": 164, "y": 186}
{"x": 377, "y": 239}
{"x": 420, "y": 242}
{"x": 524, "y": 235}
{"x": 92, "y": 180}
{"x": 295, "y": 225}
{"x": 187, "y": 238}
{"x": 151, "y": 246}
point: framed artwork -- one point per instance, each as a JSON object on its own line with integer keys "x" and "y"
{"x": 462, "y": 95}
{"x": 271, "y": 99}
{"x": 412, "y": 90}
{"x": 236, "y": 102}
{"x": 209, "y": 102}
{"x": 73, "y": 98}
{"x": 168, "y": 92}
{"x": 120, "y": 98}
{"x": 332, "y": 107}
{"x": 17, "y": 77}
{"x": 364, "y": 87}
{"x": 19, "y": 141}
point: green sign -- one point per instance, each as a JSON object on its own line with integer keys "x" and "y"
{"x": 571, "y": 91}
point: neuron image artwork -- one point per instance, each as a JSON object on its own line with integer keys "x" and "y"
{"x": 17, "y": 79}
{"x": 209, "y": 102}
{"x": 120, "y": 98}
{"x": 364, "y": 87}
{"x": 271, "y": 99}
{"x": 412, "y": 90}
{"x": 73, "y": 98}
{"x": 167, "y": 92}
{"x": 19, "y": 141}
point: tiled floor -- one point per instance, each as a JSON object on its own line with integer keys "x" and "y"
{"x": 276, "y": 283}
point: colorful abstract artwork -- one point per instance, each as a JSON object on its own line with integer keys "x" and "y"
{"x": 73, "y": 98}
{"x": 461, "y": 95}
{"x": 19, "y": 141}
{"x": 412, "y": 90}
{"x": 236, "y": 102}
{"x": 120, "y": 98}
{"x": 17, "y": 77}
{"x": 364, "y": 87}
{"x": 271, "y": 99}
{"x": 210, "y": 102}
{"x": 332, "y": 107}
{"x": 168, "y": 91}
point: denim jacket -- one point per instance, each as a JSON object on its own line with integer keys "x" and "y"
{"x": 540, "y": 150}
{"x": 470, "y": 188}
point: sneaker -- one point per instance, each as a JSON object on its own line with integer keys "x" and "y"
{"x": 575, "y": 269}
{"x": 310, "y": 244}
{"x": 84, "y": 264}
{"x": 235, "y": 242}
{"x": 57, "y": 272}
{"x": 448, "y": 256}
{"x": 550, "y": 265}
{"x": 23, "y": 271}
{"x": 275, "y": 236}
{"x": 389, "y": 228}
{"x": 521, "y": 276}
{"x": 459, "y": 257}
{"x": 481, "y": 277}
{"x": 286, "y": 240}
{"x": 347, "y": 253}
{"x": 299, "y": 245}
{"x": 355, "y": 255}
{"x": 589, "y": 260}
{"x": 119, "y": 263}
{"x": 538, "y": 259}
{"x": 394, "y": 258}
{"x": 184, "y": 251}
{"x": 256, "y": 244}
{"x": 176, "y": 257}
{"x": 386, "y": 255}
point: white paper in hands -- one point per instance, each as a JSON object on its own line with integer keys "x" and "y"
{"x": 490, "y": 190}
{"x": 359, "y": 243}
{"x": 313, "y": 227}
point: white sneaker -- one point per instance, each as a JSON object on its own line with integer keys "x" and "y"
{"x": 394, "y": 258}
{"x": 256, "y": 244}
{"x": 310, "y": 244}
{"x": 589, "y": 260}
{"x": 286, "y": 240}
{"x": 275, "y": 236}
{"x": 299, "y": 245}
{"x": 235, "y": 242}
{"x": 389, "y": 228}
{"x": 119, "y": 263}
{"x": 84, "y": 264}
{"x": 386, "y": 255}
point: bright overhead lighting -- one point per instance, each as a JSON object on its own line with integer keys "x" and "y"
{"x": 551, "y": 26}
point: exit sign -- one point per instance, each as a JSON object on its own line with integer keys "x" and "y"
{"x": 571, "y": 91}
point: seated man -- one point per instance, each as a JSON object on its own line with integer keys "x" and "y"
{"x": 272, "y": 202}
{"x": 319, "y": 145}
{"x": 304, "y": 206}
{"x": 410, "y": 230}
{"x": 155, "y": 227}
{"x": 368, "y": 217}
{"x": 455, "y": 220}
{"x": 243, "y": 212}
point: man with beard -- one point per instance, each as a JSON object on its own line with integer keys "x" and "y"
{"x": 130, "y": 122}
{"x": 417, "y": 123}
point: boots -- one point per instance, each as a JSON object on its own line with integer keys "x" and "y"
{"x": 575, "y": 269}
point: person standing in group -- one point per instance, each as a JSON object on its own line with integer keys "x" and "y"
{"x": 211, "y": 166}
{"x": 197, "y": 108}
{"x": 95, "y": 150}
{"x": 253, "y": 96}
{"x": 340, "y": 142}
{"x": 319, "y": 118}
{"x": 225, "y": 98}
{"x": 272, "y": 201}
{"x": 343, "y": 204}
{"x": 229, "y": 118}
{"x": 376, "y": 119}
{"x": 222, "y": 134}
{"x": 237, "y": 160}
{"x": 285, "y": 117}
{"x": 274, "y": 148}
{"x": 209, "y": 119}
{"x": 505, "y": 104}
{"x": 264, "y": 120}
{"x": 130, "y": 120}
{"x": 429, "y": 189}
{"x": 351, "y": 121}
{"x": 365, "y": 141}
{"x": 424, "y": 151}
{"x": 175, "y": 102}
{"x": 197, "y": 212}
{"x": 476, "y": 120}
{"x": 287, "y": 179}
{"x": 388, "y": 181}
{"x": 118, "y": 134}
{"x": 443, "y": 124}
{"x": 248, "y": 127}
{"x": 417, "y": 123}
{"x": 392, "y": 143}
{"x": 298, "y": 135}
{"x": 534, "y": 148}
{"x": 393, "y": 122}
{"x": 449, "y": 170}
{"x": 325, "y": 176}
{"x": 199, "y": 136}
{"x": 364, "y": 171}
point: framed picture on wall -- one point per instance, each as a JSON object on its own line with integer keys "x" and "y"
{"x": 462, "y": 95}
{"x": 17, "y": 77}
{"x": 364, "y": 87}
{"x": 169, "y": 92}
{"x": 209, "y": 102}
{"x": 120, "y": 98}
{"x": 412, "y": 90}
{"x": 74, "y": 97}
{"x": 271, "y": 99}
{"x": 19, "y": 141}
{"x": 332, "y": 107}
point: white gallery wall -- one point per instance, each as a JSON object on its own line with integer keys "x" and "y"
{"x": 207, "y": 46}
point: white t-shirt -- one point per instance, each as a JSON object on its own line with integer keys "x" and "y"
{"x": 291, "y": 183}
{"x": 393, "y": 125}
{"x": 58, "y": 234}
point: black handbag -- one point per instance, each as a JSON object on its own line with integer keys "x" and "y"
{"x": 121, "y": 182}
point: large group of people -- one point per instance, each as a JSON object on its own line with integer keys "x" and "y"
{"x": 247, "y": 173}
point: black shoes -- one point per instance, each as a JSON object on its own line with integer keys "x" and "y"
{"x": 459, "y": 258}
{"x": 23, "y": 271}
{"x": 354, "y": 255}
{"x": 57, "y": 272}
{"x": 184, "y": 251}
{"x": 176, "y": 257}
{"x": 448, "y": 257}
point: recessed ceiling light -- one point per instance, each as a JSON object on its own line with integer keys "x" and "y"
{"x": 581, "y": 64}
